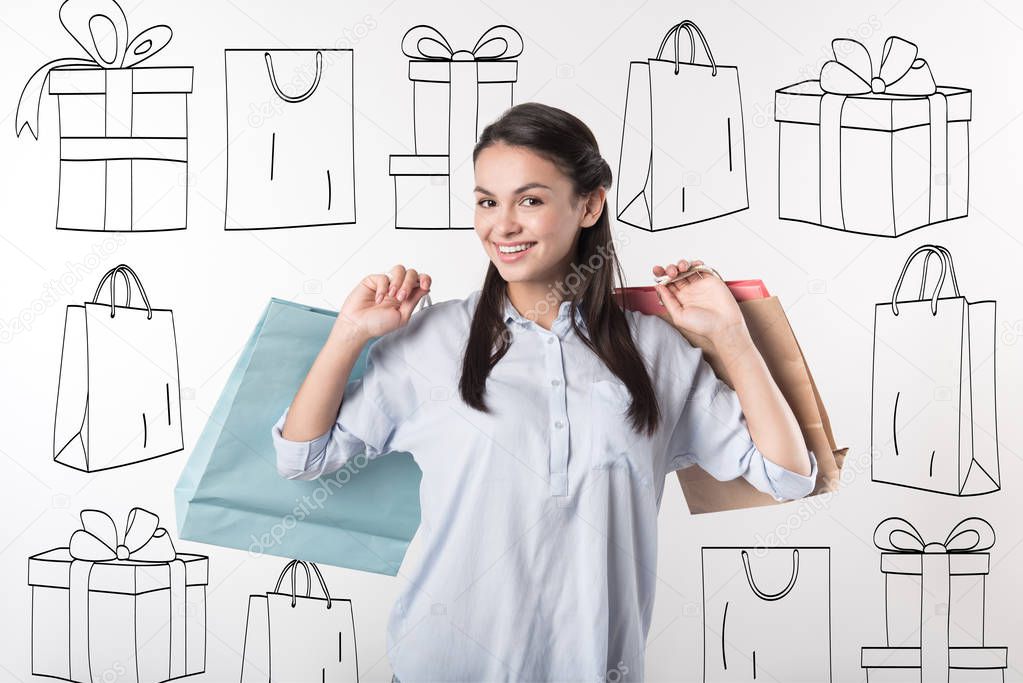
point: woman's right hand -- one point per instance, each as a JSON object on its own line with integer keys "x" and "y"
{"x": 383, "y": 303}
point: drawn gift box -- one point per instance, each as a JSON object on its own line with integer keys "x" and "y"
{"x": 455, "y": 94}
{"x": 421, "y": 190}
{"x": 134, "y": 611}
{"x": 965, "y": 665}
{"x": 123, "y": 128}
{"x": 881, "y": 155}
{"x": 934, "y": 605}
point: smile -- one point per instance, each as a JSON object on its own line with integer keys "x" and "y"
{"x": 515, "y": 249}
{"x": 515, "y": 252}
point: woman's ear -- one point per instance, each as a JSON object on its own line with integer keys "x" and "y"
{"x": 593, "y": 207}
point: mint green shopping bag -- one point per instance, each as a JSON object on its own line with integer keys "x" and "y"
{"x": 229, "y": 494}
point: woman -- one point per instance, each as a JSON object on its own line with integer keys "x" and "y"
{"x": 544, "y": 418}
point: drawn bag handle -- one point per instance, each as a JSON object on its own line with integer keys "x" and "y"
{"x": 690, "y": 27}
{"x": 771, "y": 596}
{"x": 114, "y": 272}
{"x": 946, "y": 267}
{"x": 294, "y": 98}
{"x": 124, "y": 271}
{"x": 293, "y": 566}
{"x": 946, "y": 255}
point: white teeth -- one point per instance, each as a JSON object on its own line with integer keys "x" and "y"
{"x": 512, "y": 250}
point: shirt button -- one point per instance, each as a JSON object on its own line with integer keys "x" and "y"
{"x": 555, "y": 382}
{"x": 559, "y": 424}
{"x": 550, "y": 340}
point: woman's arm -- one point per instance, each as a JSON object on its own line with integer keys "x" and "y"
{"x": 314, "y": 408}
{"x": 379, "y": 304}
{"x": 771, "y": 422}
{"x": 703, "y": 305}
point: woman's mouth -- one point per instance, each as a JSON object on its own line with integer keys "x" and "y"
{"x": 513, "y": 252}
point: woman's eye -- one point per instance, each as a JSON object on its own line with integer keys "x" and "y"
{"x": 486, "y": 203}
{"x": 532, "y": 201}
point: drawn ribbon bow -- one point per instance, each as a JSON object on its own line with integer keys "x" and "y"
{"x": 900, "y": 72}
{"x": 97, "y": 542}
{"x": 496, "y": 43}
{"x": 971, "y": 535}
{"x": 144, "y": 539}
{"x": 90, "y": 23}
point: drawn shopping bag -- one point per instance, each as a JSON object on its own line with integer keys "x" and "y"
{"x": 933, "y": 424}
{"x": 290, "y": 150}
{"x": 767, "y": 614}
{"x": 305, "y": 639}
{"x": 683, "y": 156}
{"x": 118, "y": 397}
{"x": 230, "y": 494}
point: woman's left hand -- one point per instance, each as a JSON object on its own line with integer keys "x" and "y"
{"x": 700, "y": 304}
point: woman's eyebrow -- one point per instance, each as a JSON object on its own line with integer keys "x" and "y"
{"x": 527, "y": 186}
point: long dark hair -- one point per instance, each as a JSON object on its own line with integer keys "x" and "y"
{"x": 568, "y": 143}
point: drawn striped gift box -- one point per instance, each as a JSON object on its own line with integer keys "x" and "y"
{"x": 123, "y": 147}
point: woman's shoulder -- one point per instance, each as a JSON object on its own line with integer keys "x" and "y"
{"x": 438, "y": 322}
{"x": 660, "y": 340}
{"x": 450, "y": 312}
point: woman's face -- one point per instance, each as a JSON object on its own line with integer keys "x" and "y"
{"x": 527, "y": 214}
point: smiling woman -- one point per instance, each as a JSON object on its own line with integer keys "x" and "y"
{"x": 541, "y": 190}
{"x": 551, "y": 456}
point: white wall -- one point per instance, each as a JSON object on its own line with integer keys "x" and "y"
{"x": 576, "y": 57}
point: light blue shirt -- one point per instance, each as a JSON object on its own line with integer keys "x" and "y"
{"x": 539, "y": 519}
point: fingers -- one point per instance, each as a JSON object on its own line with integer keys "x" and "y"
{"x": 403, "y": 285}
{"x": 409, "y": 304}
{"x": 671, "y": 303}
{"x": 397, "y": 277}
{"x": 675, "y": 269}
{"x": 377, "y": 282}
{"x": 408, "y": 283}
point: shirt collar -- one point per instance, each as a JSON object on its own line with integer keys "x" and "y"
{"x": 511, "y": 314}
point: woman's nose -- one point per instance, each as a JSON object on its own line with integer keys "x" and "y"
{"x": 506, "y": 221}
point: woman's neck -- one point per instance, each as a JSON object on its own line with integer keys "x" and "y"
{"x": 537, "y": 301}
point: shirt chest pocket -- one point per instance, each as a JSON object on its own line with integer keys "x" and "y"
{"x": 613, "y": 442}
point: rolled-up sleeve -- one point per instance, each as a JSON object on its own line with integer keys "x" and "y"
{"x": 712, "y": 433}
{"x": 372, "y": 409}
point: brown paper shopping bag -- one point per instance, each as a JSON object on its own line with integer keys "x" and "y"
{"x": 773, "y": 336}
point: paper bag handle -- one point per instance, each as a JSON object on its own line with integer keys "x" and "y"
{"x": 293, "y": 566}
{"x": 689, "y": 26}
{"x": 114, "y": 272}
{"x": 294, "y": 98}
{"x": 947, "y": 257}
{"x": 771, "y": 596}
{"x": 946, "y": 267}
{"x": 124, "y": 271}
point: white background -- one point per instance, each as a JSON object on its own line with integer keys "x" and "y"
{"x": 576, "y": 57}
